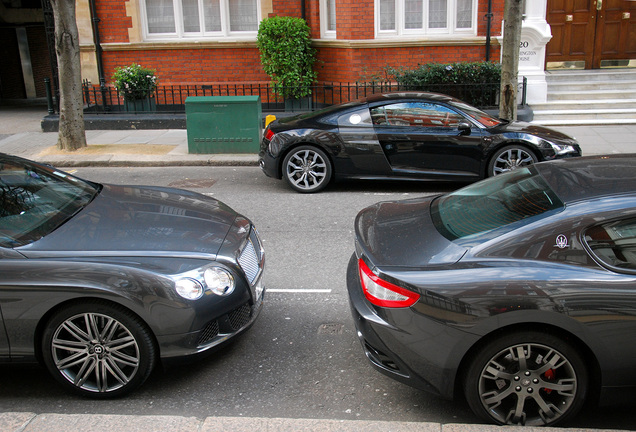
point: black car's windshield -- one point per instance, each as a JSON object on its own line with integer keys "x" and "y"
{"x": 36, "y": 200}
{"x": 483, "y": 118}
{"x": 494, "y": 203}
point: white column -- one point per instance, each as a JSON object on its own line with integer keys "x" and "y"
{"x": 535, "y": 34}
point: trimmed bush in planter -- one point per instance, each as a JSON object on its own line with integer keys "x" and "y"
{"x": 134, "y": 82}
{"x": 475, "y": 83}
{"x": 286, "y": 55}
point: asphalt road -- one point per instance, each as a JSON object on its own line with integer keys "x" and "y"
{"x": 302, "y": 358}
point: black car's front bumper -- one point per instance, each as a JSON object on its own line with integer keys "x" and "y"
{"x": 549, "y": 153}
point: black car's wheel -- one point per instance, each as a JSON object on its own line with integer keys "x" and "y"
{"x": 98, "y": 350}
{"x": 510, "y": 158}
{"x": 526, "y": 378}
{"x": 307, "y": 169}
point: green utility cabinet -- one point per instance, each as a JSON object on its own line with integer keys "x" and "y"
{"x": 223, "y": 124}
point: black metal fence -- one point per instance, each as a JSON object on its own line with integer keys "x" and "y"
{"x": 171, "y": 98}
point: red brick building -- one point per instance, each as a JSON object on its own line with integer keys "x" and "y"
{"x": 215, "y": 41}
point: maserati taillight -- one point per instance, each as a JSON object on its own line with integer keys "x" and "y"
{"x": 382, "y": 293}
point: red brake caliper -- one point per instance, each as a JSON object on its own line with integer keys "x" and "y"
{"x": 549, "y": 376}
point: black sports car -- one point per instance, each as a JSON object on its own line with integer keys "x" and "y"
{"x": 408, "y": 136}
{"x": 99, "y": 282}
{"x": 517, "y": 292}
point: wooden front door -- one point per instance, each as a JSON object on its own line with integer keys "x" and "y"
{"x": 591, "y": 31}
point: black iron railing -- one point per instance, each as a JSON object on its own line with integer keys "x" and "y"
{"x": 171, "y": 98}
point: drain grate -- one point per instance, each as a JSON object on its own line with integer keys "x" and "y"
{"x": 331, "y": 329}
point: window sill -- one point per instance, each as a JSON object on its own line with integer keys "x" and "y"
{"x": 404, "y": 41}
{"x": 180, "y": 44}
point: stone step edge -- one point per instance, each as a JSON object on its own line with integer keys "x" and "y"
{"x": 583, "y": 122}
{"x": 583, "y": 111}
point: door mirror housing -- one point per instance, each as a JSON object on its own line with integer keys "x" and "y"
{"x": 464, "y": 127}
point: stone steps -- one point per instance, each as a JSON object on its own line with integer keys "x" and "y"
{"x": 592, "y": 94}
{"x": 605, "y": 96}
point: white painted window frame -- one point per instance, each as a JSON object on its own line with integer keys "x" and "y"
{"x": 180, "y": 34}
{"x": 450, "y": 30}
{"x": 325, "y": 33}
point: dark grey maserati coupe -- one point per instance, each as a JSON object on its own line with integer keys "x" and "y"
{"x": 517, "y": 292}
{"x": 100, "y": 282}
{"x": 403, "y": 136}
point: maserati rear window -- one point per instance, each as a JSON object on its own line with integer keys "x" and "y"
{"x": 614, "y": 244}
{"x": 495, "y": 203}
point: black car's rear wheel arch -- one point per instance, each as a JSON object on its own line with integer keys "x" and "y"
{"x": 307, "y": 169}
{"x": 529, "y": 378}
{"x": 509, "y": 158}
{"x": 98, "y": 349}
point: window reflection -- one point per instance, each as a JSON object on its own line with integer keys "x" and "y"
{"x": 416, "y": 114}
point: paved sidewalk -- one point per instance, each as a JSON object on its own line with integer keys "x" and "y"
{"x": 118, "y": 148}
{"x": 170, "y": 147}
{"x": 29, "y": 422}
{"x": 20, "y": 135}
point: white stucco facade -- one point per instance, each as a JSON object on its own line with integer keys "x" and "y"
{"x": 535, "y": 34}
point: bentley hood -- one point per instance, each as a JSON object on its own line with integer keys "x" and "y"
{"x": 136, "y": 220}
{"x": 401, "y": 233}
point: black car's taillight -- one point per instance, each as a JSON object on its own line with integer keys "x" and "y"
{"x": 269, "y": 134}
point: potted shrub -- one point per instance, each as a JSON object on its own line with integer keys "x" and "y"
{"x": 287, "y": 56}
{"x": 137, "y": 86}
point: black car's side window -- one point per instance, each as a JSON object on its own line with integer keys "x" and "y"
{"x": 614, "y": 243}
{"x": 415, "y": 114}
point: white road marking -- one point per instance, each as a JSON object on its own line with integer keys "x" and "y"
{"x": 302, "y": 291}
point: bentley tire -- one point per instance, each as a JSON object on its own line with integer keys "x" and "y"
{"x": 98, "y": 350}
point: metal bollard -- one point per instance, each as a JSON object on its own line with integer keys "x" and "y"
{"x": 49, "y": 96}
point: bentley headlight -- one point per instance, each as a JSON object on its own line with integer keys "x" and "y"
{"x": 219, "y": 281}
{"x": 189, "y": 289}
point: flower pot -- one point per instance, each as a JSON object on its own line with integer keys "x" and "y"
{"x": 147, "y": 104}
{"x": 298, "y": 104}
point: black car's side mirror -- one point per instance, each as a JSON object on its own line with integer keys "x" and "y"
{"x": 464, "y": 127}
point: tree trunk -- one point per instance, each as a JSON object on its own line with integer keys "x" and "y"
{"x": 72, "y": 134}
{"x": 510, "y": 59}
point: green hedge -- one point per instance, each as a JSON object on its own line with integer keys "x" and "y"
{"x": 286, "y": 55}
{"x": 476, "y": 83}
